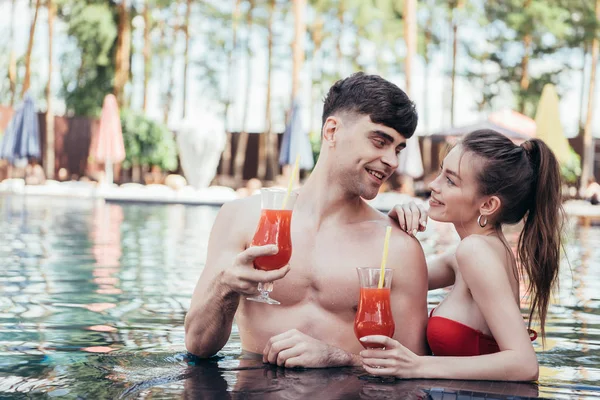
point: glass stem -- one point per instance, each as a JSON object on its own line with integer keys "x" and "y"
{"x": 265, "y": 288}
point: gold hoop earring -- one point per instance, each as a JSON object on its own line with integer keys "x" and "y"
{"x": 484, "y": 222}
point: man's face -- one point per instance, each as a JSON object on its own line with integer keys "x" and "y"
{"x": 365, "y": 154}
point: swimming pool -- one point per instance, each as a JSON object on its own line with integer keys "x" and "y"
{"x": 94, "y": 297}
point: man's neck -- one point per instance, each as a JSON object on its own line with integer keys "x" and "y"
{"x": 324, "y": 201}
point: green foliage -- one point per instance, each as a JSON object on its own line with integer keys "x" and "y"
{"x": 88, "y": 71}
{"x": 147, "y": 142}
{"x": 547, "y": 23}
{"x": 571, "y": 170}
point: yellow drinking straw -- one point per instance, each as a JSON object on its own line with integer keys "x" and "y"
{"x": 291, "y": 183}
{"x": 386, "y": 245}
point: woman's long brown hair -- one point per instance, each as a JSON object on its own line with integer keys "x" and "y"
{"x": 527, "y": 180}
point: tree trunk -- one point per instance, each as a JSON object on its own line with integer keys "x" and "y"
{"x": 267, "y": 152}
{"x": 317, "y": 40}
{"x": 453, "y": 76}
{"x": 226, "y": 157}
{"x": 410, "y": 36}
{"x": 171, "y": 72}
{"x": 524, "y": 83}
{"x": 123, "y": 52}
{"x": 582, "y": 90}
{"x": 588, "y": 141}
{"x": 12, "y": 62}
{"x": 242, "y": 144}
{"x": 26, "y": 81}
{"x": 146, "y": 52}
{"x": 338, "y": 43}
{"x": 458, "y": 5}
{"x": 49, "y": 111}
{"x": 427, "y": 138}
{"x": 186, "y": 56}
{"x": 298, "y": 44}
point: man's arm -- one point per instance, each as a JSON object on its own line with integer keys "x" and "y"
{"x": 409, "y": 291}
{"x": 228, "y": 274}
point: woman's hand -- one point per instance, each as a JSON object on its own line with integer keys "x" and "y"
{"x": 411, "y": 217}
{"x": 396, "y": 360}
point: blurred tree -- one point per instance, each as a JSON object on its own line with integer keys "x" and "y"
{"x": 588, "y": 140}
{"x": 123, "y": 51}
{"x": 267, "y": 146}
{"x": 242, "y": 143}
{"x": 519, "y": 33}
{"x": 175, "y": 26}
{"x": 147, "y": 143}
{"x": 455, "y": 6}
{"x": 26, "y": 81}
{"x": 49, "y": 156}
{"x": 12, "y": 62}
{"x": 87, "y": 68}
{"x": 186, "y": 53}
{"x": 226, "y": 157}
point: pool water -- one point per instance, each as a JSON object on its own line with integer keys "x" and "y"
{"x": 94, "y": 297}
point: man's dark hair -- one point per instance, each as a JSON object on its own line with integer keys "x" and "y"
{"x": 372, "y": 95}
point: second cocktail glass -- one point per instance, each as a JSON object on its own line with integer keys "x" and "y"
{"x": 273, "y": 228}
{"x": 374, "y": 314}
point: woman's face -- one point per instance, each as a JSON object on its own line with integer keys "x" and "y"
{"x": 454, "y": 192}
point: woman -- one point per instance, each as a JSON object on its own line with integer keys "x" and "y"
{"x": 486, "y": 181}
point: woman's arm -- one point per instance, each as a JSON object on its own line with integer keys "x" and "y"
{"x": 489, "y": 284}
{"x": 441, "y": 270}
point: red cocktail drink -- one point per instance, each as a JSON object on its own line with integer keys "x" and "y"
{"x": 374, "y": 315}
{"x": 274, "y": 228}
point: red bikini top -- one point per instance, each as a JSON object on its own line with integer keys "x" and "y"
{"x": 447, "y": 337}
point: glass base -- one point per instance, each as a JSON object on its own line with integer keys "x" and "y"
{"x": 263, "y": 299}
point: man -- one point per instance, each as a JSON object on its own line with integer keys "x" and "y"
{"x": 366, "y": 121}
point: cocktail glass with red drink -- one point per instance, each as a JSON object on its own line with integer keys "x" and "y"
{"x": 273, "y": 228}
{"x": 374, "y": 314}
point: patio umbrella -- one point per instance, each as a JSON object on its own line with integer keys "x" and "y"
{"x": 549, "y": 128}
{"x": 296, "y": 141}
{"x": 109, "y": 147}
{"x": 22, "y": 136}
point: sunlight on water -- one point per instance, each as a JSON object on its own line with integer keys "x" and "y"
{"x": 95, "y": 295}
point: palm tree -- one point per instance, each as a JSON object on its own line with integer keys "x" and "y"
{"x": 242, "y": 144}
{"x": 298, "y": 45}
{"x": 455, "y": 5}
{"x": 427, "y": 36}
{"x": 147, "y": 53}
{"x": 186, "y": 56}
{"x": 12, "y": 63}
{"x": 26, "y": 81}
{"x": 410, "y": 36}
{"x": 226, "y": 157}
{"x": 49, "y": 110}
{"x": 267, "y": 146}
{"x": 588, "y": 141}
{"x": 527, "y": 41}
{"x": 123, "y": 52}
{"x": 171, "y": 72}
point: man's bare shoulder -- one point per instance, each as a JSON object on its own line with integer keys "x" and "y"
{"x": 405, "y": 250}
{"x": 241, "y": 214}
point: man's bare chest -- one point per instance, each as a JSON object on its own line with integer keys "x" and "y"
{"x": 323, "y": 269}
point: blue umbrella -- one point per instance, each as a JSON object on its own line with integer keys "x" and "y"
{"x": 22, "y": 136}
{"x": 296, "y": 141}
